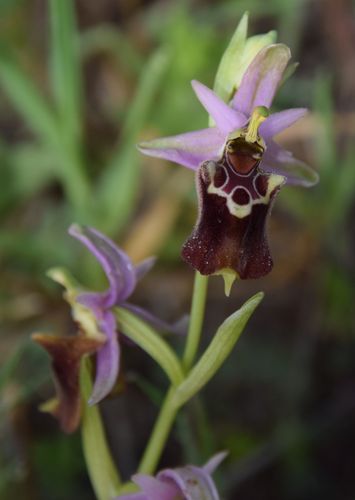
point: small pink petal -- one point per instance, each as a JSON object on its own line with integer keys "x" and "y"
{"x": 262, "y": 78}
{"x": 280, "y": 161}
{"x": 226, "y": 118}
{"x": 178, "y": 328}
{"x": 277, "y": 122}
{"x": 116, "y": 264}
{"x": 107, "y": 360}
{"x": 214, "y": 462}
{"x": 144, "y": 267}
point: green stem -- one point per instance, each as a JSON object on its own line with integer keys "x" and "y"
{"x": 196, "y": 319}
{"x": 169, "y": 409}
{"x": 159, "y": 435}
{"x": 100, "y": 466}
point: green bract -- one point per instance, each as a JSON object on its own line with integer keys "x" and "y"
{"x": 217, "y": 352}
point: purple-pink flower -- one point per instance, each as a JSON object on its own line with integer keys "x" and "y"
{"x": 93, "y": 311}
{"x": 122, "y": 276}
{"x": 183, "y": 483}
{"x": 240, "y": 169}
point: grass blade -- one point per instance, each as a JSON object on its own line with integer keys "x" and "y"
{"x": 65, "y": 65}
{"x": 27, "y": 100}
{"x": 119, "y": 183}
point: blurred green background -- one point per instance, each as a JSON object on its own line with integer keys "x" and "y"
{"x": 80, "y": 83}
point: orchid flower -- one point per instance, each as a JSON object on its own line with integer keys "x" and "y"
{"x": 239, "y": 169}
{"x": 184, "y": 483}
{"x": 97, "y": 325}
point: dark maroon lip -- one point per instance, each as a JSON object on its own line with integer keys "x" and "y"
{"x": 234, "y": 205}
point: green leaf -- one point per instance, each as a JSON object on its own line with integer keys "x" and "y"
{"x": 119, "y": 184}
{"x": 40, "y": 118}
{"x": 100, "y": 466}
{"x": 146, "y": 338}
{"x": 27, "y": 100}
{"x": 65, "y": 66}
{"x": 217, "y": 352}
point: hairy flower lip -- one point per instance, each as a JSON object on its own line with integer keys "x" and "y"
{"x": 66, "y": 353}
{"x": 230, "y": 233}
